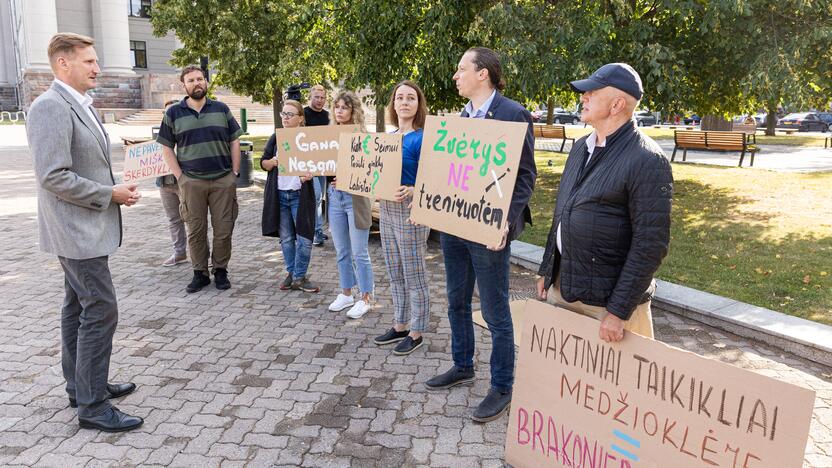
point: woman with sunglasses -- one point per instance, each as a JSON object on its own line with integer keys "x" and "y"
{"x": 289, "y": 208}
{"x": 350, "y": 218}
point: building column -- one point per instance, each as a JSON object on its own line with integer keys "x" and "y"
{"x": 6, "y": 43}
{"x": 40, "y": 23}
{"x": 112, "y": 36}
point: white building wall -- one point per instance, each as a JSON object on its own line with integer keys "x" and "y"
{"x": 8, "y": 72}
{"x": 75, "y": 16}
{"x": 158, "y": 48}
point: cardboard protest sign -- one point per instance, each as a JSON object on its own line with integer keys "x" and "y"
{"x": 466, "y": 176}
{"x": 370, "y": 164}
{"x": 309, "y": 149}
{"x": 579, "y": 401}
{"x": 144, "y": 161}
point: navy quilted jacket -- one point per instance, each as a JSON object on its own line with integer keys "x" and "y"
{"x": 615, "y": 222}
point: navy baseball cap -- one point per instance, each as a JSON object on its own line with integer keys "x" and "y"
{"x": 617, "y": 75}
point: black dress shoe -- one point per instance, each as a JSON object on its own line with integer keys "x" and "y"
{"x": 455, "y": 376}
{"x": 492, "y": 406}
{"x": 115, "y": 391}
{"x": 111, "y": 420}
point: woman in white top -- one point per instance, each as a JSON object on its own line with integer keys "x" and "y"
{"x": 289, "y": 208}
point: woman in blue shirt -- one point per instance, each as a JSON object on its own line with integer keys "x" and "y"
{"x": 403, "y": 243}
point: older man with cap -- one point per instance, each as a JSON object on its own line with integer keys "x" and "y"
{"x": 611, "y": 225}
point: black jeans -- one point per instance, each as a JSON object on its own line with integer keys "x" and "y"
{"x": 88, "y": 322}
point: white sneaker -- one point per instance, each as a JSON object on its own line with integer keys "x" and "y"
{"x": 360, "y": 308}
{"x": 341, "y": 302}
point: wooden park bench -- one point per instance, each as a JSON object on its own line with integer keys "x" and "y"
{"x": 750, "y": 131}
{"x": 134, "y": 140}
{"x": 712, "y": 141}
{"x": 556, "y": 132}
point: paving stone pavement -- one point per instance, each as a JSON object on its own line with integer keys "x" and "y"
{"x": 257, "y": 376}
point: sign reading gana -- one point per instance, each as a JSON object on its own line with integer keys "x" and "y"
{"x": 305, "y": 150}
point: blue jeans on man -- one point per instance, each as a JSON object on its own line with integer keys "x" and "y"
{"x": 468, "y": 262}
{"x": 296, "y": 249}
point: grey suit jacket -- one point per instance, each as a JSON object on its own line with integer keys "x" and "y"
{"x": 76, "y": 216}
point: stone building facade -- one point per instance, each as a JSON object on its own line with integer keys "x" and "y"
{"x": 135, "y": 72}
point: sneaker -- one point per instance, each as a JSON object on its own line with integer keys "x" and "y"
{"x": 492, "y": 406}
{"x": 174, "y": 260}
{"x": 287, "y": 283}
{"x": 407, "y": 346}
{"x": 221, "y": 279}
{"x": 455, "y": 376}
{"x": 341, "y": 302}
{"x": 200, "y": 281}
{"x": 391, "y": 336}
{"x": 318, "y": 241}
{"x": 360, "y": 308}
{"x": 303, "y": 284}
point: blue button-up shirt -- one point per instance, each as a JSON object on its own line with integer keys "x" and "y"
{"x": 483, "y": 109}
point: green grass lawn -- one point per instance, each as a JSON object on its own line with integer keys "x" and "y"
{"x": 756, "y": 236}
{"x": 259, "y": 144}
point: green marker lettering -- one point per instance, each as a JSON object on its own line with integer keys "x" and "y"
{"x": 501, "y": 151}
{"x": 442, "y": 134}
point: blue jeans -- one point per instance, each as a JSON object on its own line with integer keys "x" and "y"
{"x": 319, "y": 184}
{"x": 465, "y": 262}
{"x": 350, "y": 243}
{"x": 296, "y": 249}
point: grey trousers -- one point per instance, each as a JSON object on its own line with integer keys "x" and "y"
{"x": 88, "y": 322}
{"x": 170, "y": 201}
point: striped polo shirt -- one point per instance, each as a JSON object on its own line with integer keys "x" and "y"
{"x": 202, "y": 139}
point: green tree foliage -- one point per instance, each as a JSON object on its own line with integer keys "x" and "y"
{"x": 709, "y": 56}
{"x": 259, "y": 47}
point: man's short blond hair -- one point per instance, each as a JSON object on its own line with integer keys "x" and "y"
{"x": 318, "y": 87}
{"x": 66, "y": 43}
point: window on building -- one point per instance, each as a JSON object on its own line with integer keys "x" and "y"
{"x": 139, "y": 8}
{"x": 138, "y": 49}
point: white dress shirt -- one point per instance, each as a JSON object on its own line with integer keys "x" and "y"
{"x": 86, "y": 103}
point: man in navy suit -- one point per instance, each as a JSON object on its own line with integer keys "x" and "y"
{"x": 479, "y": 79}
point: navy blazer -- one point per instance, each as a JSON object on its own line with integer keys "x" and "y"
{"x": 503, "y": 108}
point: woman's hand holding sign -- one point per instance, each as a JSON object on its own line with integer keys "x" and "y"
{"x": 403, "y": 193}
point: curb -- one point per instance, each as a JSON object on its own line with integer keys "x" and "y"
{"x": 804, "y": 338}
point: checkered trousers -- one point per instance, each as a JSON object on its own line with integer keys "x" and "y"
{"x": 404, "y": 248}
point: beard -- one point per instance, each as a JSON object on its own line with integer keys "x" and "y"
{"x": 197, "y": 93}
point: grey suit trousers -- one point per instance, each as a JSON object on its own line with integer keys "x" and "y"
{"x": 88, "y": 322}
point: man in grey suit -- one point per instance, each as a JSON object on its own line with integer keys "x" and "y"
{"x": 79, "y": 220}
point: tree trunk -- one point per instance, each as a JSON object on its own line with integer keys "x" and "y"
{"x": 277, "y": 105}
{"x": 550, "y": 110}
{"x": 715, "y": 122}
{"x": 771, "y": 118}
{"x": 380, "y": 111}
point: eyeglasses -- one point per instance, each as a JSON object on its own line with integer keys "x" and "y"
{"x": 288, "y": 115}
